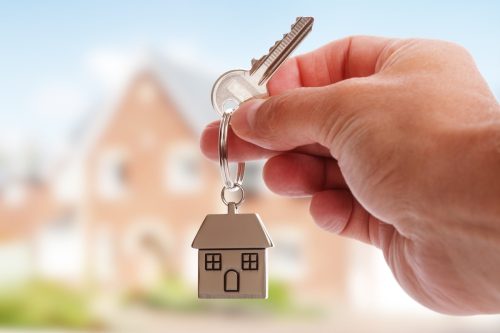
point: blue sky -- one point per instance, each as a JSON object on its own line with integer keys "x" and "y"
{"x": 51, "y": 59}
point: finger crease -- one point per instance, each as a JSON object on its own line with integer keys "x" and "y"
{"x": 349, "y": 218}
{"x": 346, "y": 60}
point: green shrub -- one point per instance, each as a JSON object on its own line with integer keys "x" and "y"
{"x": 174, "y": 294}
{"x": 170, "y": 293}
{"x": 44, "y": 304}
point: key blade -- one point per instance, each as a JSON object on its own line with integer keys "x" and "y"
{"x": 269, "y": 63}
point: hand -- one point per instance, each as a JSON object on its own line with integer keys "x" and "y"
{"x": 398, "y": 143}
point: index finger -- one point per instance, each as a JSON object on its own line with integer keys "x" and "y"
{"x": 355, "y": 56}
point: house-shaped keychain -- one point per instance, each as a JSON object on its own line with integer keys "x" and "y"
{"x": 232, "y": 258}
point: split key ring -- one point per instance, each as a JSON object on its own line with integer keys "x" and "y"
{"x": 229, "y": 184}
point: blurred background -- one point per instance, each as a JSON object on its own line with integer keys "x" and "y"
{"x": 103, "y": 187}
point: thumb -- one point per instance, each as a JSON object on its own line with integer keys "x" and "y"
{"x": 299, "y": 117}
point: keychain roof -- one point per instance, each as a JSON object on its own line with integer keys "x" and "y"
{"x": 221, "y": 231}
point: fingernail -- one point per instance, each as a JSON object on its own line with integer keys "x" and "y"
{"x": 243, "y": 119}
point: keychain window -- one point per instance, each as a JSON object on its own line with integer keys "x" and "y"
{"x": 213, "y": 261}
{"x": 249, "y": 261}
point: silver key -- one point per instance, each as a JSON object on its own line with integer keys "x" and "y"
{"x": 234, "y": 87}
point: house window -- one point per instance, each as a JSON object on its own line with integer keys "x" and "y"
{"x": 60, "y": 247}
{"x": 249, "y": 261}
{"x": 112, "y": 174}
{"x": 183, "y": 169}
{"x": 213, "y": 261}
{"x": 254, "y": 183}
{"x": 288, "y": 261}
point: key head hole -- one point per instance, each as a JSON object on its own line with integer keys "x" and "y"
{"x": 229, "y": 105}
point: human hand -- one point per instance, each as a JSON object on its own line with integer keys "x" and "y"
{"x": 398, "y": 143}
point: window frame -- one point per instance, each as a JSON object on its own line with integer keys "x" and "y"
{"x": 112, "y": 173}
{"x": 252, "y": 261}
{"x": 183, "y": 169}
{"x": 214, "y": 261}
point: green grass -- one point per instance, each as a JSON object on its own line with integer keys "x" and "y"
{"x": 173, "y": 294}
{"x": 44, "y": 304}
{"x": 170, "y": 293}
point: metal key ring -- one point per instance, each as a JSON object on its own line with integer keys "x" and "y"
{"x": 223, "y": 159}
{"x": 237, "y": 203}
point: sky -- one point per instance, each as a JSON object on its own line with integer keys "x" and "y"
{"x": 57, "y": 58}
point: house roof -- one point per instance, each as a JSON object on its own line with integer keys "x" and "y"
{"x": 188, "y": 88}
{"x": 232, "y": 231}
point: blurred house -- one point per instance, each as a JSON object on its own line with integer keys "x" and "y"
{"x": 120, "y": 212}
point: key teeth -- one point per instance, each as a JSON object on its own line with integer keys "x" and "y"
{"x": 272, "y": 47}
{"x": 256, "y": 63}
{"x": 300, "y": 18}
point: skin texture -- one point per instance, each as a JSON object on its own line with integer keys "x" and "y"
{"x": 398, "y": 144}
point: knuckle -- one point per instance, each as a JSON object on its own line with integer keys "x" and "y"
{"x": 449, "y": 51}
{"x": 442, "y": 52}
{"x": 452, "y": 46}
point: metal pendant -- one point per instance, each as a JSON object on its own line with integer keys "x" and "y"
{"x": 232, "y": 258}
